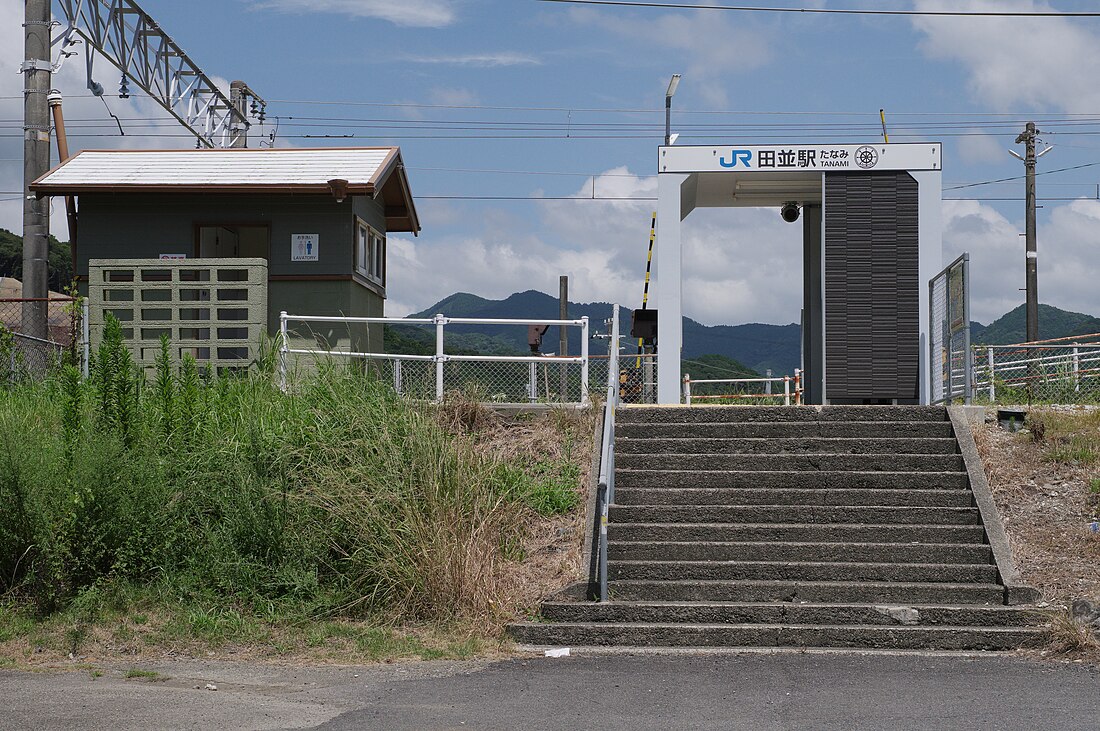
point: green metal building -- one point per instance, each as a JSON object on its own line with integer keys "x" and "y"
{"x": 319, "y": 217}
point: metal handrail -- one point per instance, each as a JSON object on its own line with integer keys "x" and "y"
{"x": 605, "y": 490}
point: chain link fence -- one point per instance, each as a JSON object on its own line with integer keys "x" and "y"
{"x": 949, "y": 332}
{"x": 445, "y": 363}
{"x": 1063, "y": 371}
{"x": 637, "y": 376}
{"x": 24, "y": 356}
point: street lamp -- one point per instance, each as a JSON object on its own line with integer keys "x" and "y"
{"x": 672, "y": 84}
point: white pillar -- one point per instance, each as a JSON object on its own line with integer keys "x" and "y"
{"x": 930, "y": 247}
{"x": 668, "y": 286}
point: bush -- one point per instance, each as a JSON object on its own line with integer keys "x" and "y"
{"x": 338, "y": 497}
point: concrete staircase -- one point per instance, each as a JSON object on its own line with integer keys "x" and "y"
{"x": 843, "y": 527}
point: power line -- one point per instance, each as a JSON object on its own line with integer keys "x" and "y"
{"x": 895, "y": 115}
{"x": 838, "y": 11}
{"x": 1021, "y": 177}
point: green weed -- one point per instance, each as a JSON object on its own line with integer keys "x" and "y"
{"x": 243, "y": 506}
{"x": 1069, "y": 437}
{"x": 138, "y": 674}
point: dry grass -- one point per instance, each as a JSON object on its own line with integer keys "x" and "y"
{"x": 551, "y": 546}
{"x": 1047, "y": 503}
{"x": 1070, "y": 637}
{"x": 1045, "y": 481}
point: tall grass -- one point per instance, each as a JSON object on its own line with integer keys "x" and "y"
{"x": 338, "y": 497}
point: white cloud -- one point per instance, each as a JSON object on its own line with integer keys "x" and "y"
{"x": 479, "y": 60}
{"x": 739, "y": 266}
{"x": 978, "y": 147}
{"x": 713, "y": 45}
{"x": 453, "y": 97}
{"x": 417, "y": 13}
{"x": 1026, "y": 62}
{"x": 1069, "y": 249}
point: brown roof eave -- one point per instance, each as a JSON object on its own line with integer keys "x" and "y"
{"x": 45, "y": 189}
{"x": 411, "y": 219}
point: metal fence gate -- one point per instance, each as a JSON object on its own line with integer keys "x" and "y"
{"x": 24, "y": 356}
{"x": 949, "y": 333}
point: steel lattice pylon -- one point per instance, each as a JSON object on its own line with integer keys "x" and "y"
{"x": 131, "y": 40}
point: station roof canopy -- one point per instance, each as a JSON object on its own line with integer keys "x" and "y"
{"x": 373, "y": 171}
{"x": 771, "y": 175}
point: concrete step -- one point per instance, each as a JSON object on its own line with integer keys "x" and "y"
{"x": 621, "y": 531}
{"x": 779, "y": 635}
{"x": 886, "y": 480}
{"x": 801, "y": 571}
{"x": 953, "y": 553}
{"x": 765, "y": 414}
{"x": 784, "y": 445}
{"x": 845, "y": 592}
{"x": 785, "y": 430}
{"x": 793, "y": 462}
{"x": 789, "y": 496}
{"x": 859, "y": 514}
{"x": 792, "y": 613}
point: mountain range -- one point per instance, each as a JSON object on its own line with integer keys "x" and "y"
{"x": 753, "y": 347}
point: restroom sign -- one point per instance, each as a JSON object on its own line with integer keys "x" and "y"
{"x": 303, "y": 247}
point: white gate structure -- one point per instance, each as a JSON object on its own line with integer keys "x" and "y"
{"x": 871, "y": 238}
{"x": 496, "y": 378}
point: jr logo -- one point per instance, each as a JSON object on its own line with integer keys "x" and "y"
{"x": 736, "y": 156}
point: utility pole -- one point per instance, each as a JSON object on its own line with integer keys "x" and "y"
{"x": 238, "y": 130}
{"x": 36, "y": 162}
{"x": 1028, "y": 138}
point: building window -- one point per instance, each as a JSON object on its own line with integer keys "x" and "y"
{"x": 370, "y": 254}
{"x": 362, "y": 235}
{"x": 378, "y": 257}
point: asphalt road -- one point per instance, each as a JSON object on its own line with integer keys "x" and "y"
{"x": 759, "y": 692}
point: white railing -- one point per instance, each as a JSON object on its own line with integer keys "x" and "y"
{"x": 1050, "y": 370}
{"x": 605, "y": 490}
{"x": 792, "y": 389}
{"x": 492, "y": 374}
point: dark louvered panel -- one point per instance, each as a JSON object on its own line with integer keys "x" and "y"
{"x": 871, "y": 286}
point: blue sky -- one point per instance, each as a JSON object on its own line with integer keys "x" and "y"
{"x": 523, "y": 98}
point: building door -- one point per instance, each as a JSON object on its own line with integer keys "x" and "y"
{"x": 233, "y": 241}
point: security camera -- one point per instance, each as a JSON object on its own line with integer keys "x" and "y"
{"x": 789, "y": 211}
